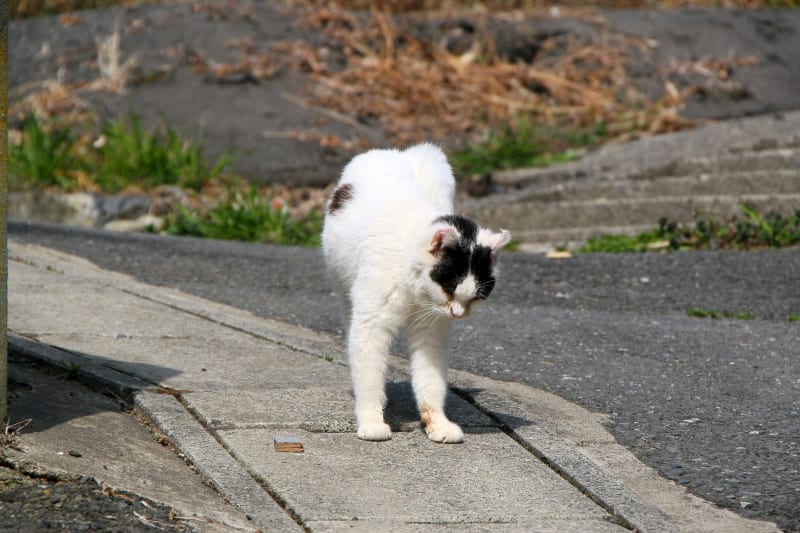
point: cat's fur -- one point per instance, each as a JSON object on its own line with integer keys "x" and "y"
{"x": 401, "y": 259}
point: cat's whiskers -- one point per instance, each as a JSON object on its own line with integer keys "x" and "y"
{"x": 483, "y": 284}
{"x": 427, "y": 306}
{"x": 429, "y": 313}
{"x": 419, "y": 315}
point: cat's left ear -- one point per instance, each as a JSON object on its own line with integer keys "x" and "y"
{"x": 495, "y": 241}
{"x": 443, "y": 238}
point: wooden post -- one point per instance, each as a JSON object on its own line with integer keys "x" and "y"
{"x": 3, "y": 211}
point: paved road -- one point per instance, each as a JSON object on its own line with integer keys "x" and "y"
{"x": 712, "y": 404}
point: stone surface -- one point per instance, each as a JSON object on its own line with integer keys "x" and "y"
{"x": 706, "y": 172}
{"x": 205, "y": 453}
{"x": 79, "y": 432}
{"x": 488, "y": 479}
{"x": 317, "y": 409}
{"x": 242, "y": 463}
{"x": 257, "y": 117}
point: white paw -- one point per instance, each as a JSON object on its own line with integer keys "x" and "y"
{"x": 374, "y": 431}
{"x": 445, "y": 431}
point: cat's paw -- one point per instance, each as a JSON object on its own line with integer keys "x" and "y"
{"x": 374, "y": 431}
{"x": 444, "y": 431}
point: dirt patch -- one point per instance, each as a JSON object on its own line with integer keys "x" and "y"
{"x": 38, "y": 504}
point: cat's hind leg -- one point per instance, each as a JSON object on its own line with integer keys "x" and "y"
{"x": 429, "y": 379}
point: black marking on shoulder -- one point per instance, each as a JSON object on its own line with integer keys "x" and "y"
{"x": 465, "y": 227}
{"x": 340, "y": 196}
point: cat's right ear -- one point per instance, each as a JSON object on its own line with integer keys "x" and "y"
{"x": 443, "y": 238}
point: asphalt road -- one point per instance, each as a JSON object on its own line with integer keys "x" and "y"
{"x": 713, "y": 404}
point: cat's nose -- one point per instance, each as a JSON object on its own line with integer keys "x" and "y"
{"x": 456, "y": 309}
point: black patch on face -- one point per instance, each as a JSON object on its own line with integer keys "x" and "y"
{"x": 457, "y": 262}
{"x": 465, "y": 227}
{"x": 452, "y": 268}
{"x": 481, "y": 265}
{"x": 342, "y": 195}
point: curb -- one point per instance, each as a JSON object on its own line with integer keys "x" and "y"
{"x": 577, "y": 469}
{"x": 187, "y": 434}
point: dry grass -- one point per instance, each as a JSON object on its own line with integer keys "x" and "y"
{"x": 404, "y": 6}
{"x": 417, "y": 89}
{"x": 35, "y": 8}
{"x": 8, "y": 438}
{"x": 56, "y": 98}
{"x": 378, "y": 67}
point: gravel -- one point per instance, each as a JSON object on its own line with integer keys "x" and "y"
{"x": 37, "y": 504}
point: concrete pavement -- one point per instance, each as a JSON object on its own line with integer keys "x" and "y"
{"x": 221, "y": 383}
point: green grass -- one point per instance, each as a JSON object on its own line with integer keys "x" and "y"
{"x": 72, "y": 368}
{"x": 246, "y": 216}
{"x": 128, "y": 155}
{"x": 45, "y": 157}
{"x": 524, "y": 144}
{"x": 752, "y": 229}
{"x": 700, "y": 312}
{"x": 125, "y": 155}
{"x": 623, "y": 243}
{"x": 121, "y": 156}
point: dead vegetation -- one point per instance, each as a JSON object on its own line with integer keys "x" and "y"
{"x": 62, "y": 100}
{"x": 404, "y": 6}
{"x": 11, "y": 431}
{"x": 458, "y": 83}
{"x": 442, "y": 75}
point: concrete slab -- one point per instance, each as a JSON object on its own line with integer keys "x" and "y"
{"x": 316, "y": 408}
{"x": 539, "y": 526}
{"x": 78, "y": 432}
{"x": 205, "y": 453}
{"x": 563, "y": 457}
{"x": 409, "y": 480}
{"x": 220, "y": 359}
{"x": 557, "y": 429}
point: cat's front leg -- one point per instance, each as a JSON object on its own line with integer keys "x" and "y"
{"x": 368, "y": 346}
{"x": 429, "y": 379}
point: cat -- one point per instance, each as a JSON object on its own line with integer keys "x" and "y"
{"x": 402, "y": 260}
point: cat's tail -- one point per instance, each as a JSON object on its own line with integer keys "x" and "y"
{"x": 433, "y": 173}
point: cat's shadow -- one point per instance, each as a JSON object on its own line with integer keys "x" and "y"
{"x": 402, "y": 415}
{"x": 401, "y": 409}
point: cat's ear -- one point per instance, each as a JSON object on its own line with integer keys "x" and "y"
{"x": 495, "y": 241}
{"x": 443, "y": 238}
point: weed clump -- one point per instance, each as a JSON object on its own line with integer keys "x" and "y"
{"x": 525, "y": 144}
{"x": 247, "y": 216}
{"x": 700, "y": 312}
{"x": 123, "y": 155}
{"x": 752, "y": 229}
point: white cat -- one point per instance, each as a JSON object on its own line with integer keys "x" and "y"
{"x": 401, "y": 259}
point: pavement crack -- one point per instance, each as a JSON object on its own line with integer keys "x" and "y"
{"x": 274, "y": 339}
{"x": 269, "y": 489}
{"x": 614, "y": 514}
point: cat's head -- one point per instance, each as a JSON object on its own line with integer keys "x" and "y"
{"x": 462, "y": 269}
